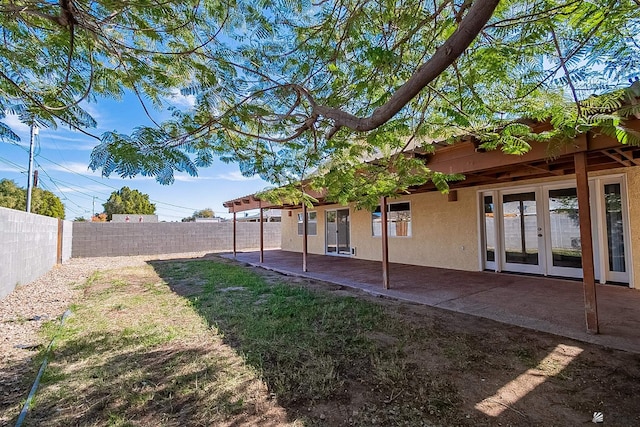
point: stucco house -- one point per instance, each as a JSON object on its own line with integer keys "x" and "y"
{"x": 520, "y": 214}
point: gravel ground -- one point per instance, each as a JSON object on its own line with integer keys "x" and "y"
{"x": 23, "y": 312}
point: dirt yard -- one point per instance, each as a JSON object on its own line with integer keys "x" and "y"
{"x": 183, "y": 342}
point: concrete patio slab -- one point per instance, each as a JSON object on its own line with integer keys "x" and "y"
{"x": 549, "y": 305}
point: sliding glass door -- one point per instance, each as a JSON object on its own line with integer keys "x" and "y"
{"x": 537, "y": 230}
{"x": 338, "y": 233}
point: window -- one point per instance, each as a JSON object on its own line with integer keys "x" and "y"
{"x": 312, "y": 223}
{"x": 398, "y": 220}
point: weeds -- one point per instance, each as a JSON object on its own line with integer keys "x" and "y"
{"x": 215, "y": 343}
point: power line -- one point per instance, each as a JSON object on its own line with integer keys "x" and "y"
{"x": 91, "y": 196}
{"x": 15, "y": 165}
{"x": 62, "y": 195}
{"x": 109, "y": 186}
{"x": 181, "y": 208}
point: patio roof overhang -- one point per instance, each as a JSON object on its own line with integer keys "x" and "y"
{"x": 482, "y": 167}
{"x": 252, "y": 201}
{"x": 493, "y": 167}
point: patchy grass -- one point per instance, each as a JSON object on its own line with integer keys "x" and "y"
{"x": 210, "y": 342}
{"x": 332, "y": 359}
{"x": 135, "y": 353}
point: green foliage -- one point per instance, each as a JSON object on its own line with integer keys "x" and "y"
{"x": 12, "y": 196}
{"x": 204, "y": 213}
{"x": 46, "y": 203}
{"x": 43, "y": 202}
{"x": 128, "y": 201}
{"x": 265, "y": 76}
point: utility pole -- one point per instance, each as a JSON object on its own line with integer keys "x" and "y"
{"x": 94, "y": 206}
{"x": 34, "y": 132}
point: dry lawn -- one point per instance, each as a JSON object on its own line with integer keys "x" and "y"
{"x": 211, "y": 342}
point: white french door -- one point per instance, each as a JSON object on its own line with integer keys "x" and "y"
{"x": 615, "y": 230}
{"x": 536, "y": 230}
{"x": 522, "y": 231}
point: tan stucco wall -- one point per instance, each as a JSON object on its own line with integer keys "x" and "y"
{"x": 446, "y": 234}
{"x": 291, "y": 241}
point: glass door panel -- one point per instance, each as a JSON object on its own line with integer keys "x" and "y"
{"x": 537, "y": 230}
{"x": 563, "y": 244}
{"x": 520, "y": 225}
{"x": 338, "y": 232}
{"x": 343, "y": 233}
{"x": 564, "y": 228}
{"x": 331, "y": 234}
{"x": 489, "y": 232}
{"x": 615, "y": 244}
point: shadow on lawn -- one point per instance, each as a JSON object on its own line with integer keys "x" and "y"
{"x": 15, "y": 381}
{"x": 356, "y": 360}
{"x": 136, "y": 385}
{"x": 134, "y": 353}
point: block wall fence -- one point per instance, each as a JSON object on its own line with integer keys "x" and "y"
{"x": 30, "y": 244}
{"x": 94, "y": 239}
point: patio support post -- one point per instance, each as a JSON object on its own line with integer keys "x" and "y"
{"x": 385, "y": 243}
{"x": 261, "y": 234}
{"x": 304, "y": 237}
{"x": 586, "y": 241}
{"x": 234, "y": 232}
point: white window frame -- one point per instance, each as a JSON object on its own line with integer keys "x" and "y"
{"x": 596, "y": 189}
{"x": 310, "y": 221}
{"x": 390, "y": 221}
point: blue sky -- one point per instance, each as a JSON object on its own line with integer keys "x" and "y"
{"x": 62, "y": 159}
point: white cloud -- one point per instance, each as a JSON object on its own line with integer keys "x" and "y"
{"x": 72, "y": 167}
{"x": 98, "y": 190}
{"x": 69, "y": 143}
{"x": 15, "y": 124}
{"x": 11, "y": 169}
{"x": 93, "y": 110}
{"x": 237, "y": 176}
{"x": 182, "y": 101}
{"x": 188, "y": 178}
{"x": 67, "y": 189}
{"x": 116, "y": 177}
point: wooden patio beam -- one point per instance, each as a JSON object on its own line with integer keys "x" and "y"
{"x": 627, "y": 155}
{"x": 546, "y": 169}
{"x": 618, "y": 158}
{"x": 234, "y": 234}
{"x": 385, "y": 243}
{"x": 304, "y": 237}
{"x": 586, "y": 243}
{"x": 261, "y": 234}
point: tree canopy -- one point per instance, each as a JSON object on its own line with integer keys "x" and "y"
{"x": 43, "y": 202}
{"x": 202, "y": 213}
{"x": 128, "y": 201}
{"x": 286, "y": 88}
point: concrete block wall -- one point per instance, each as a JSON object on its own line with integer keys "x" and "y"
{"x": 121, "y": 239}
{"x": 28, "y": 247}
{"x": 67, "y": 240}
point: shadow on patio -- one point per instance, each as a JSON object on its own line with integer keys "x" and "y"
{"x": 550, "y": 305}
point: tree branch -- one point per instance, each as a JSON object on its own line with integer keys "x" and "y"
{"x": 470, "y": 26}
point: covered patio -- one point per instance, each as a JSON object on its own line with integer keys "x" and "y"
{"x": 549, "y": 305}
